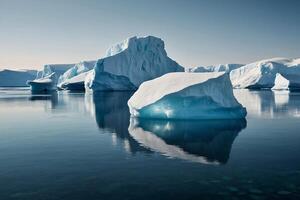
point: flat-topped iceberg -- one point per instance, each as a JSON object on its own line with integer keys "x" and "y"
{"x": 130, "y": 63}
{"x": 73, "y": 78}
{"x": 184, "y": 95}
{"x": 215, "y": 68}
{"x": 16, "y": 78}
{"x": 262, "y": 74}
{"x": 48, "y": 78}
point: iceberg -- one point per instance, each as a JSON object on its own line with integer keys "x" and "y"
{"x": 130, "y": 63}
{"x": 280, "y": 83}
{"x": 215, "y": 68}
{"x": 201, "y": 141}
{"x": 262, "y": 74}
{"x": 16, "y": 78}
{"x": 73, "y": 78}
{"x": 46, "y": 83}
{"x": 48, "y": 78}
{"x": 182, "y": 95}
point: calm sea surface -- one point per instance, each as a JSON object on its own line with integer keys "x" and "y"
{"x": 76, "y": 146}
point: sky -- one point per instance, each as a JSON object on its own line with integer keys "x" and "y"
{"x": 196, "y": 32}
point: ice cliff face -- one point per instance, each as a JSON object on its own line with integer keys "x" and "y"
{"x": 262, "y": 74}
{"x": 215, "y": 68}
{"x": 186, "y": 96}
{"x": 74, "y": 77}
{"x": 130, "y": 63}
{"x": 16, "y": 78}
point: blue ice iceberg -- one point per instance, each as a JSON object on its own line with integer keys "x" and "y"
{"x": 184, "y": 95}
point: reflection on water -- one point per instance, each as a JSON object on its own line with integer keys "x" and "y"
{"x": 112, "y": 116}
{"x": 197, "y": 141}
{"x": 203, "y": 141}
{"x": 85, "y": 146}
{"x": 270, "y": 104}
{"x": 51, "y": 96}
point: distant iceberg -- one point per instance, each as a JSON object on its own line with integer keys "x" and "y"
{"x": 48, "y": 78}
{"x": 130, "y": 63}
{"x": 16, "y": 78}
{"x": 184, "y": 95}
{"x": 201, "y": 141}
{"x": 262, "y": 74}
{"x": 215, "y": 68}
{"x": 46, "y": 83}
{"x": 73, "y": 78}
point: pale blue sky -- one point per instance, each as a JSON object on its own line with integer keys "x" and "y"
{"x": 36, "y": 32}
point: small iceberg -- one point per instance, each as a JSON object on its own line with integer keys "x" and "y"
{"x": 201, "y": 141}
{"x": 187, "y": 96}
{"x": 47, "y": 79}
{"x": 281, "y": 83}
{"x": 46, "y": 83}
{"x": 73, "y": 78}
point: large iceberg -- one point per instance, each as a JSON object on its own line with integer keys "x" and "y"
{"x": 130, "y": 63}
{"x": 202, "y": 141}
{"x": 16, "y": 78}
{"x": 184, "y": 95}
{"x": 262, "y": 74}
{"x": 215, "y": 68}
{"x": 48, "y": 78}
{"x": 73, "y": 78}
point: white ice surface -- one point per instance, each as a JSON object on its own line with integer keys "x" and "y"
{"x": 281, "y": 83}
{"x": 185, "y": 95}
{"x": 130, "y": 63}
{"x": 262, "y": 74}
{"x": 75, "y": 74}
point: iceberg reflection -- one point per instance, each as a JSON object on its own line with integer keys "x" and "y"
{"x": 202, "y": 141}
{"x": 269, "y": 104}
{"x": 112, "y": 116}
{"x": 46, "y": 96}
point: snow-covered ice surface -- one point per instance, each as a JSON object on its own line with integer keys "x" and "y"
{"x": 184, "y": 95}
{"x": 262, "y": 74}
{"x": 130, "y": 63}
{"x": 48, "y": 78}
{"x": 16, "y": 78}
{"x": 280, "y": 83}
{"x": 204, "y": 141}
{"x": 73, "y": 78}
{"x": 215, "y": 68}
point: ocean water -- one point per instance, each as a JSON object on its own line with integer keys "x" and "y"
{"x": 76, "y": 146}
